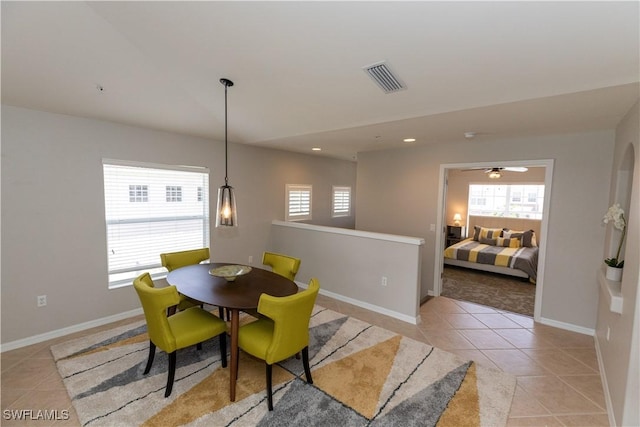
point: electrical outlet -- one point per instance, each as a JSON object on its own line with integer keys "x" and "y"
{"x": 250, "y": 259}
{"x": 384, "y": 281}
{"x": 42, "y": 300}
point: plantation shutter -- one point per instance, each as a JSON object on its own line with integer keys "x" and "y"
{"x": 298, "y": 205}
{"x": 341, "y": 205}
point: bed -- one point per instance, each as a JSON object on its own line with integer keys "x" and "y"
{"x": 502, "y": 250}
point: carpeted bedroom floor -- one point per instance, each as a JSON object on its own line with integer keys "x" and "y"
{"x": 491, "y": 289}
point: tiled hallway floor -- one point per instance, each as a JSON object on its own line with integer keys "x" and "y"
{"x": 558, "y": 379}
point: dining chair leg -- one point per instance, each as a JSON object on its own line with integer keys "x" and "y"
{"x": 269, "y": 391}
{"x": 171, "y": 373}
{"x": 152, "y": 353}
{"x": 223, "y": 349}
{"x": 305, "y": 363}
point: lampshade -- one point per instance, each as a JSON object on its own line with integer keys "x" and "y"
{"x": 457, "y": 218}
{"x": 226, "y": 212}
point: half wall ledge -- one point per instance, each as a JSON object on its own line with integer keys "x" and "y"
{"x": 349, "y": 232}
{"x": 611, "y": 290}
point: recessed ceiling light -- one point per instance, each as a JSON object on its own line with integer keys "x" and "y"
{"x": 316, "y": 149}
{"x": 409, "y": 140}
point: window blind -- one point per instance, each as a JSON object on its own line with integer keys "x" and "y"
{"x": 149, "y": 210}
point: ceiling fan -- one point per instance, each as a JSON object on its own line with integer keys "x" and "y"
{"x": 497, "y": 171}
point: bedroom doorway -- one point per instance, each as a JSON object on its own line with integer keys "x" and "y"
{"x": 454, "y": 206}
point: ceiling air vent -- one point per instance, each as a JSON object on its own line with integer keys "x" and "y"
{"x": 382, "y": 75}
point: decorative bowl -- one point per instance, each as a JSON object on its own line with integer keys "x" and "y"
{"x": 230, "y": 272}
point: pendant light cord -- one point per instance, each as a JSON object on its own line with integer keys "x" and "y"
{"x": 226, "y": 83}
{"x": 226, "y": 177}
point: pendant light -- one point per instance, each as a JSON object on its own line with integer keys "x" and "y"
{"x": 226, "y": 212}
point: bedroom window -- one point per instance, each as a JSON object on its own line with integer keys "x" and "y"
{"x": 298, "y": 202}
{"x": 341, "y": 201}
{"x": 506, "y": 200}
{"x": 137, "y": 233}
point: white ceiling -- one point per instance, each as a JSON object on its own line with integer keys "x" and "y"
{"x": 500, "y": 69}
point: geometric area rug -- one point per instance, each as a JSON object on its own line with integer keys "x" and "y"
{"x": 363, "y": 375}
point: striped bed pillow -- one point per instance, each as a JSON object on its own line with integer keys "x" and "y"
{"x": 500, "y": 241}
{"x": 508, "y": 242}
{"x": 527, "y": 238}
{"x": 486, "y": 233}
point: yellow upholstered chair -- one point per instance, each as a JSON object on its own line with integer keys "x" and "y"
{"x": 173, "y": 260}
{"x": 171, "y": 333}
{"x": 283, "y": 265}
{"x": 282, "y": 332}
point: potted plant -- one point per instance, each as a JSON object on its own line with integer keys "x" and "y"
{"x": 615, "y": 214}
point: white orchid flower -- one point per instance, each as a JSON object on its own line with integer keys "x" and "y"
{"x": 615, "y": 214}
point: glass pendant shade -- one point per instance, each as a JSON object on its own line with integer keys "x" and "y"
{"x": 226, "y": 212}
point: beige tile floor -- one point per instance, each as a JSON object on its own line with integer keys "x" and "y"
{"x": 557, "y": 370}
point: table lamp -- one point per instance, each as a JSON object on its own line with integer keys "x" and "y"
{"x": 456, "y": 219}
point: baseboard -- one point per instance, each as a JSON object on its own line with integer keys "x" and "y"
{"x": 605, "y": 384}
{"x": 568, "y": 326}
{"x": 371, "y": 307}
{"x": 69, "y": 330}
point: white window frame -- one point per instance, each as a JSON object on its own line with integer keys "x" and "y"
{"x": 137, "y": 233}
{"x": 338, "y": 194}
{"x": 295, "y": 207}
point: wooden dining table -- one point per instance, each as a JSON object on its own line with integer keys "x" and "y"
{"x": 196, "y": 282}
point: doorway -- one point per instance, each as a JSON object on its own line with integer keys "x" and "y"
{"x": 442, "y": 220}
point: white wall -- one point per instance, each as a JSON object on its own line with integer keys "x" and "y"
{"x": 620, "y": 351}
{"x": 398, "y": 193}
{"x": 53, "y": 228}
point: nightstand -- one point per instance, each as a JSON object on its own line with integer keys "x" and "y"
{"x": 455, "y": 234}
